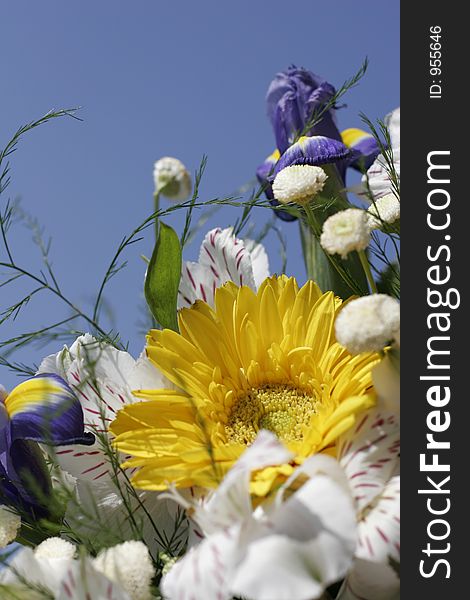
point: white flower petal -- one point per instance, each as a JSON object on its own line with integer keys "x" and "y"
{"x": 259, "y": 261}
{"x": 205, "y": 571}
{"x": 222, "y": 258}
{"x": 198, "y": 282}
{"x": 370, "y": 581}
{"x": 82, "y": 582}
{"x": 103, "y": 378}
{"x": 304, "y": 545}
{"x": 368, "y": 452}
{"x": 392, "y": 122}
{"x": 277, "y": 567}
{"x": 227, "y": 256}
{"x": 377, "y": 175}
{"x": 379, "y": 531}
{"x": 232, "y": 501}
{"x": 145, "y": 376}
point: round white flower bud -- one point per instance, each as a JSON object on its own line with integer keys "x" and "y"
{"x": 172, "y": 179}
{"x": 129, "y": 565}
{"x": 298, "y": 184}
{"x": 55, "y": 548}
{"x": 385, "y": 210}
{"x": 368, "y": 324}
{"x": 10, "y": 524}
{"x": 345, "y": 231}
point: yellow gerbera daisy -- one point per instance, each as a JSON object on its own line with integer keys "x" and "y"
{"x": 257, "y": 360}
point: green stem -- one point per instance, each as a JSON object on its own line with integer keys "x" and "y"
{"x": 323, "y": 268}
{"x": 367, "y": 271}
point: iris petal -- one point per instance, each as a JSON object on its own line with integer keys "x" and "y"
{"x": 263, "y": 173}
{"x": 316, "y": 151}
{"x": 293, "y": 97}
{"x": 45, "y": 409}
{"x": 25, "y": 483}
{"x": 364, "y": 147}
{"x": 29, "y": 473}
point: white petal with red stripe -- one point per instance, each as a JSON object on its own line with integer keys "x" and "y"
{"x": 205, "y": 571}
{"x": 368, "y": 453}
{"x": 222, "y": 258}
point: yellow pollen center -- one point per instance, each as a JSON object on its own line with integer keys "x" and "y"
{"x": 282, "y": 409}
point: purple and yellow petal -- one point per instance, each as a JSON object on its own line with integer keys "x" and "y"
{"x": 45, "y": 409}
{"x": 363, "y": 145}
{"x": 315, "y": 151}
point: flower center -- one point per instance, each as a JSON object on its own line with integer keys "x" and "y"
{"x": 282, "y": 409}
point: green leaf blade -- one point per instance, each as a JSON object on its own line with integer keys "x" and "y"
{"x": 163, "y": 278}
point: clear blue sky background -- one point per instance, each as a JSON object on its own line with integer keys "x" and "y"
{"x": 159, "y": 78}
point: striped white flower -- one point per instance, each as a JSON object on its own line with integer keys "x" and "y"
{"x": 292, "y": 547}
{"x": 61, "y": 576}
{"x": 378, "y": 177}
{"x": 334, "y": 517}
{"x": 369, "y": 455}
{"x": 222, "y": 258}
{"x": 103, "y": 379}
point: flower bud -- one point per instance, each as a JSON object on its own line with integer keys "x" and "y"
{"x": 172, "y": 179}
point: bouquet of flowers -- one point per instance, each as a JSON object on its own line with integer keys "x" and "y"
{"x": 251, "y": 451}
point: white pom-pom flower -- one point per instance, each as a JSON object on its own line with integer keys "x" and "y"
{"x": 9, "y": 525}
{"x": 55, "y": 548}
{"x": 377, "y": 180}
{"x": 368, "y": 324}
{"x": 345, "y": 231}
{"x": 172, "y": 179}
{"x": 298, "y": 184}
{"x": 130, "y": 566}
{"x": 384, "y": 210}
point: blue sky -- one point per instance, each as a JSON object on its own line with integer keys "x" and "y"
{"x": 153, "y": 79}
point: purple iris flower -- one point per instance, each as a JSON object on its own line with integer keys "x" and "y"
{"x": 43, "y": 409}
{"x": 263, "y": 174}
{"x": 293, "y": 97}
